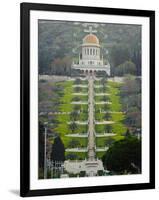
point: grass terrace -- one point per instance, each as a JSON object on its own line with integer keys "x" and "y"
{"x": 66, "y": 108}
{"x": 68, "y": 113}
{"x": 114, "y": 114}
{"x": 80, "y": 98}
{"x": 80, "y": 90}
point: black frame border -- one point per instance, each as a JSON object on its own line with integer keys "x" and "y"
{"x": 25, "y": 9}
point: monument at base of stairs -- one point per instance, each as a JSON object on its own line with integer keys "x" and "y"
{"x": 90, "y": 168}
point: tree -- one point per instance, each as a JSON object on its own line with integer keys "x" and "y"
{"x": 41, "y": 145}
{"x": 58, "y": 150}
{"x": 107, "y": 116}
{"x": 73, "y": 126}
{"x": 109, "y": 141}
{"x": 78, "y": 81}
{"x": 100, "y": 172}
{"x": 118, "y": 55}
{"x": 108, "y": 128}
{"x": 82, "y": 174}
{"x": 124, "y": 156}
{"x": 136, "y": 57}
{"x": 106, "y": 107}
{"x": 128, "y": 67}
{"x": 74, "y": 115}
{"x": 77, "y": 89}
{"x": 73, "y": 143}
{"x": 105, "y": 98}
{"x": 131, "y": 86}
{"x": 131, "y": 102}
{"x": 103, "y": 81}
{"x": 127, "y": 134}
{"x": 57, "y": 40}
{"x": 61, "y": 66}
{"x": 105, "y": 88}
{"x": 76, "y": 98}
{"x": 77, "y": 107}
{"x": 133, "y": 119}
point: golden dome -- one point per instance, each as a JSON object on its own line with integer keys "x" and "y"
{"x": 91, "y": 38}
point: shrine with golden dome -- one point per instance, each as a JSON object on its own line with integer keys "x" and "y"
{"x": 90, "y": 57}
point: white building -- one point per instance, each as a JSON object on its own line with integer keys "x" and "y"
{"x": 90, "y": 167}
{"x": 90, "y": 58}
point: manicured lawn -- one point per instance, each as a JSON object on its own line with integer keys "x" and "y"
{"x": 100, "y": 154}
{"x": 65, "y": 106}
{"x": 102, "y": 98}
{"x": 80, "y": 90}
{"x": 100, "y": 142}
{"x": 98, "y": 90}
{"x": 96, "y": 82}
{"x": 82, "y": 142}
{"x": 83, "y": 116}
{"x": 83, "y": 82}
{"x": 84, "y": 107}
{"x": 100, "y": 128}
{"x": 66, "y": 96}
{"x": 79, "y": 98}
{"x": 118, "y": 127}
{"x": 80, "y": 156}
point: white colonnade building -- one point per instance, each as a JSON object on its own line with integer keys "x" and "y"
{"x": 90, "y": 57}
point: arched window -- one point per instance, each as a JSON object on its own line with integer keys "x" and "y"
{"x": 96, "y": 51}
{"x": 93, "y": 51}
{"x": 87, "y": 51}
{"x": 90, "y": 51}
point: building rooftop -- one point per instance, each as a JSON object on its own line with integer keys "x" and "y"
{"x": 91, "y": 39}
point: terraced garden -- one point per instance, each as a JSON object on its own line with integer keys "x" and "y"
{"x": 71, "y": 116}
{"x": 73, "y": 109}
{"x": 108, "y": 112}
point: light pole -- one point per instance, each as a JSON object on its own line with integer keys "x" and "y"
{"x": 45, "y": 159}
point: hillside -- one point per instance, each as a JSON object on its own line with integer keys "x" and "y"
{"x": 59, "y": 44}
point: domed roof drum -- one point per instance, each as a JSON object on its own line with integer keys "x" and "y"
{"x": 91, "y": 39}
